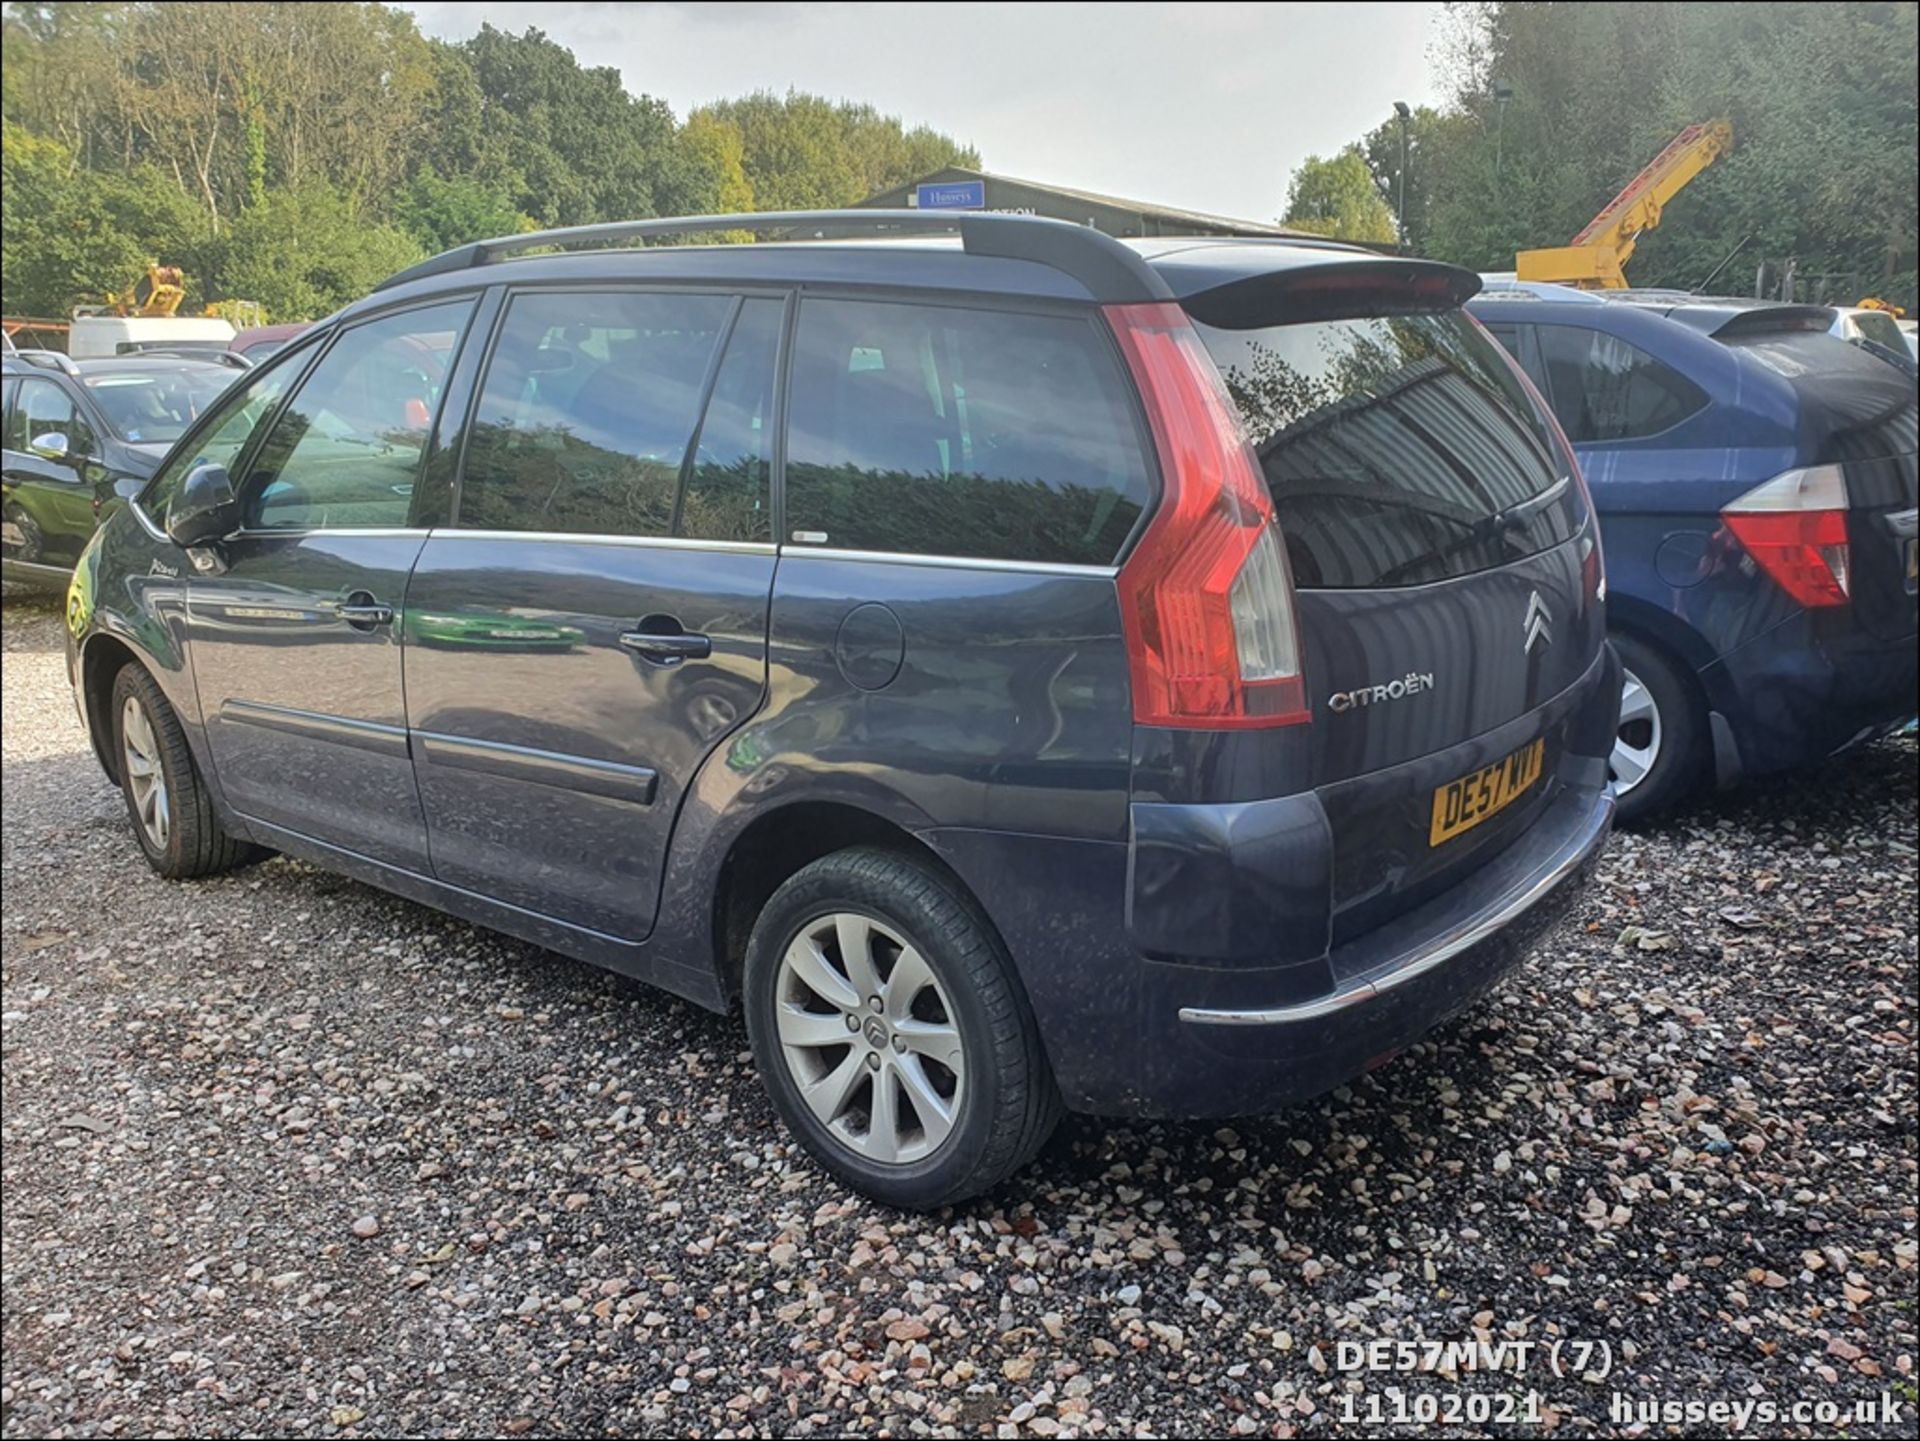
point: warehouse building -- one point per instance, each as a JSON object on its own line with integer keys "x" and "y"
{"x": 958, "y": 189}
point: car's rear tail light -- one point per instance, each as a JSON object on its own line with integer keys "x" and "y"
{"x": 1795, "y": 528}
{"x": 1206, "y": 596}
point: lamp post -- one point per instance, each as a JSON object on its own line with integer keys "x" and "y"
{"x": 1406, "y": 115}
{"x": 1502, "y": 93}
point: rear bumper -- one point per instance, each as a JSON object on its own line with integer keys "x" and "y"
{"x": 1130, "y": 1036}
{"x": 1394, "y": 984}
{"x": 1814, "y": 685}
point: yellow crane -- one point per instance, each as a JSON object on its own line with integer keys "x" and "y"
{"x": 1596, "y": 258}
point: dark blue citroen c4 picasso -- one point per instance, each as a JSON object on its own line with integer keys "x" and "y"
{"x": 1025, "y": 670}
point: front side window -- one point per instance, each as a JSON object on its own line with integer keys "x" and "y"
{"x": 1399, "y": 449}
{"x": 43, "y": 408}
{"x": 1605, "y": 389}
{"x": 586, "y": 420}
{"x": 945, "y": 431}
{"x": 346, "y": 450}
{"x": 236, "y": 414}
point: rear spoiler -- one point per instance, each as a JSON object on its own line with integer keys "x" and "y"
{"x": 1752, "y": 319}
{"x": 1338, "y": 291}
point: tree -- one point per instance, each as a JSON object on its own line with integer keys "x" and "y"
{"x": 60, "y": 67}
{"x": 296, "y": 154}
{"x": 568, "y": 144}
{"x": 440, "y": 214}
{"x": 802, "y": 152}
{"x": 303, "y": 253}
{"x": 790, "y": 150}
{"x": 1336, "y": 197}
{"x": 1825, "y": 123}
{"x": 717, "y": 154}
{"x": 68, "y": 236}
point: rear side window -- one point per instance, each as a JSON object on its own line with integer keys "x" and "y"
{"x": 1605, "y": 389}
{"x": 594, "y": 417}
{"x": 1399, "y": 449}
{"x": 944, "y": 431}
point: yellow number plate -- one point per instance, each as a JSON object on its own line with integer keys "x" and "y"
{"x": 1461, "y": 805}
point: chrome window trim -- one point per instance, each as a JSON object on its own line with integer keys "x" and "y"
{"x": 291, "y": 533}
{"x": 147, "y": 522}
{"x": 647, "y": 542}
{"x": 952, "y": 562}
{"x": 688, "y": 543}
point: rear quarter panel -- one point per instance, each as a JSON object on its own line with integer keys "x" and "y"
{"x": 946, "y": 699}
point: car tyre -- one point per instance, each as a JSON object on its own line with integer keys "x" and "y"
{"x": 172, "y": 814}
{"x": 1656, "y": 754}
{"x": 891, "y": 1032}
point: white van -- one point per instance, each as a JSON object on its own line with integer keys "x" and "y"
{"x": 96, "y": 336}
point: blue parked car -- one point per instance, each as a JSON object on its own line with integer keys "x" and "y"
{"x": 1023, "y": 671}
{"x": 1755, "y": 479}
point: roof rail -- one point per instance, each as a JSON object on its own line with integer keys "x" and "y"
{"x": 232, "y": 359}
{"x": 1112, "y": 273}
{"x": 1501, "y": 285}
{"x": 46, "y": 359}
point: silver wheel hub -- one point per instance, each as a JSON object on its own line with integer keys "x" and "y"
{"x": 869, "y": 1039}
{"x": 1636, "y": 745}
{"x": 146, "y": 777}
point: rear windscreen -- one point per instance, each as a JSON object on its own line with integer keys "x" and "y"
{"x": 1881, "y": 329}
{"x": 1853, "y": 405}
{"x": 1400, "y": 449}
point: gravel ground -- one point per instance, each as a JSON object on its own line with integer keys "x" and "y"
{"x": 286, "y": 1155}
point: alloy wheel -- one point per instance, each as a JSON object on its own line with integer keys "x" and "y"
{"x": 869, "y": 1038}
{"x": 146, "y": 777}
{"x": 1636, "y": 745}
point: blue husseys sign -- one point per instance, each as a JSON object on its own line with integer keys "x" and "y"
{"x": 956, "y": 195}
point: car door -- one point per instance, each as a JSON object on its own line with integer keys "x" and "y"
{"x": 594, "y": 621}
{"x": 294, "y": 631}
{"x": 48, "y": 501}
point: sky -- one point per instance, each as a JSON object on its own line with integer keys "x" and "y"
{"x": 1205, "y": 106}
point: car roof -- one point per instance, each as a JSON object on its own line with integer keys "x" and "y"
{"x": 1707, "y": 314}
{"x": 1184, "y": 266}
{"x": 282, "y": 330}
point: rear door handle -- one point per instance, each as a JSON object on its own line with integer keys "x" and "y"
{"x": 665, "y": 649}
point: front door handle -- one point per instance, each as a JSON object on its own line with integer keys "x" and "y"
{"x": 361, "y": 611}
{"x": 665, "y": 648}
